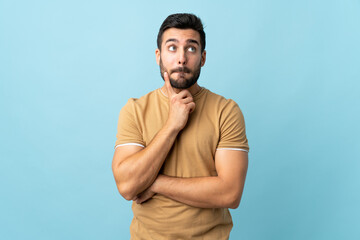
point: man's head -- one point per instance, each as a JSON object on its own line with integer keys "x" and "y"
{"x": 181, "y": 49}
{"x": 182, "y": 21}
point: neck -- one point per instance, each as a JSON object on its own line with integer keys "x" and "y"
{"x": 194, "y": 89}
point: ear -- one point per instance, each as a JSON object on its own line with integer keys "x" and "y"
{"x": 203, "y": 58}
{"x": 157, "y": 55}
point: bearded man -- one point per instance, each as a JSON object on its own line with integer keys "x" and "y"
{"x": 181, "y": 153}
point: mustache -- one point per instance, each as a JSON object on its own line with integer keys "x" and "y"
{"x": 181, "y": 69}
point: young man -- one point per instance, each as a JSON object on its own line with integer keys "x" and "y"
{"x": 181, "y": 152}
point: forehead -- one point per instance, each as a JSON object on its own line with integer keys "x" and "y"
{"x": 182, "y": 35}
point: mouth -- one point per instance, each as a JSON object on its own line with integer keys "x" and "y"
{"x": 180, "y": 75}
{"x": 181, "y": 70}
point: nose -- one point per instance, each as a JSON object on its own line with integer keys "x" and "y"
{"x": 182, "y": 58}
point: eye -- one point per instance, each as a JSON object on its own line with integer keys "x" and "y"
{"x": 191, "y": 49}
{"x": 172, "y": 48}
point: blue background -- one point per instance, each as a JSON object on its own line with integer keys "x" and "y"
{"x": 67, "y": 68}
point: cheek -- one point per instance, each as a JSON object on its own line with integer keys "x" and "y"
{"x": 195, "y": 62}
{"x": 195, "y": 58}
{"x": 167, "y": 62}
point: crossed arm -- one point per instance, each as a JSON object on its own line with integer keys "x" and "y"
{"x": 220, "y": 191}
{"x": 224, "y": 190}
{"x": 135, "y": 168}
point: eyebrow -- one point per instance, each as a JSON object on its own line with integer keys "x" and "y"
{"x": 188, "y": 41}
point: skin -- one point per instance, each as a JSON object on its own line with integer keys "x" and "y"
{"x": 136, "y": 169}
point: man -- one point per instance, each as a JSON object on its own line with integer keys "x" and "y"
{"x": 181, "y": 152}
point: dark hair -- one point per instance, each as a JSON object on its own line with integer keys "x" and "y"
{"x": 182, "y": 21}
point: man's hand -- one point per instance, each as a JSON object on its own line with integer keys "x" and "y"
{"x": 144, "y": 196}
{"x": 181, "y": 105}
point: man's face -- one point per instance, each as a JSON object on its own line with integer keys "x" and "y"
{"x": 181, "y": 57}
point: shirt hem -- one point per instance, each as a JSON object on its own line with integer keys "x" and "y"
{"x": 129, "y": 144}
{"x": 235, "y": 149}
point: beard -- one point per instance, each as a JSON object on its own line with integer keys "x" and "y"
{"x": 182, "y": 82}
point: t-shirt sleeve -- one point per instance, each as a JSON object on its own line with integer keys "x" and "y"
{"x": 232, "y": 128}
{"x": 128, "y": 131}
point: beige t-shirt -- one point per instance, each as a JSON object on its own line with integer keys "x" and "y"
{"x": 216, "y": 123}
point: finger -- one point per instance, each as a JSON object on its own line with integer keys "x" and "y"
{"x": 184, "y": 94}
{"x": 191, "y": 105}
{"x": 169, "y": 89}
{"x": 141, "y": 199}
{"x": 187, "y": 100}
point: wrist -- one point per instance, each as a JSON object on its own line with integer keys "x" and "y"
{"x": 156, "y": 186}
{"x": 173, "y": 129}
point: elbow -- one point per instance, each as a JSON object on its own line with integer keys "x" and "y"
{"x": 126, "y": 192}
{"x": 127, "y": 197}
{"x": 233, "y": 197}
{"x": 234, "y": 204}
{"x": 233, "y": 201}
{"x": 124, "y": 188}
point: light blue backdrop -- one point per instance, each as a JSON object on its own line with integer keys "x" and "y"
{"x": 67, "y": 68}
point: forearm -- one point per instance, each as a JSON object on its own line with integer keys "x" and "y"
{"x": 137, "y": 172}
{"x": 203, "y": 192}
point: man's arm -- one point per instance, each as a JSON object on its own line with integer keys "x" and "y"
{"x": 224, "y": 190}
{"x": 135, "y": 168}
